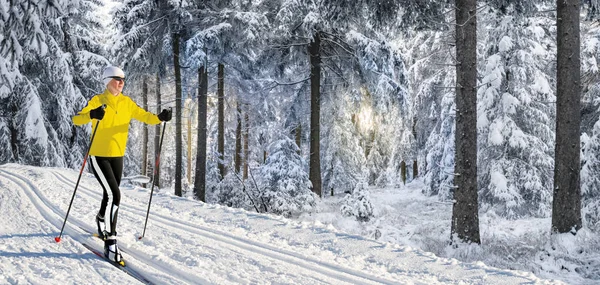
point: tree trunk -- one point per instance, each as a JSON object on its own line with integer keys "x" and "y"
{"x": 157, "y": 134}
{"x": 200, "y": 182}
{"x": 403, "y": 172}
{"x": 566, "y": 203}
{"x": 299, "y": 138}
{"x": 238, "y": 140}
{"x": 315, "y": 113}
{"x": 465, "y": 217}
{"x": 14, "y": 134}
{"x": 178, "y": 145}
{"x": 221, "y": 120}
{"x": 246, "y": 144}
{"x": 189, "y": 146}
{"x": 415, "y": 169}
{"x": 144, "y": 129}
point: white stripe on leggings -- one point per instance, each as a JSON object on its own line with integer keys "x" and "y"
{"x": 106, "y": 188}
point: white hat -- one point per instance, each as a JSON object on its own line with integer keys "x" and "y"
{"x": 111, "y": 72}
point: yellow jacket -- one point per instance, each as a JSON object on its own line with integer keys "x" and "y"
{"x": 111, "y": 136}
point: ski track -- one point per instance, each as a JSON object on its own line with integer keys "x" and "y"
{"x": 297, "y": 260}
{"x": 308, "y": 265}
{"x": 198, "y": 251}
{"x": 47, "y": 225}
{"x": 55, "y": 217}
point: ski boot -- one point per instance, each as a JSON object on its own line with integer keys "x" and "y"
{"x": 111, "y": 250}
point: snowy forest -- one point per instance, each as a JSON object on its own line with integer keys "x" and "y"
{"x": 280, "y": 103}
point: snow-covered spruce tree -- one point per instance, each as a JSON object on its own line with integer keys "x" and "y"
{"x": 343, "y": 158}
{"x": 590, "y": 118}
{"x": 232, "y": 193}
{"x": 431, "y": 79}
{"x": 232, "y": 35}
{"x": 381, "y": 81}
{"x": 425, "y": 43}
{"x": 515, "y": 114}
{"x": 322, "y": 26}
{"x": 284, "y": 181}
{"x": 358, "y": 204}
{"x": 43, "y": 89}
{"x": 590, "y": 182}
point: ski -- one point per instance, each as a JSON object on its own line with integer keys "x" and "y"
{"x": 127, "y": 270}
{"x": 133, "y": 273}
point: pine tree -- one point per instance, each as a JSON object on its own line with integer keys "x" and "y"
{"x": 343, "y": 158}
{"x": 465, "y": 215}
{"x": 358, "y": 204}
{"x": 43, "y": 83}
{"x": 590, "y": 182}
{"x": 200, "y": 175}
{"x": 566, "y": 203}
{"x": 515, "y": 115}
{"x": 285, "y": 182}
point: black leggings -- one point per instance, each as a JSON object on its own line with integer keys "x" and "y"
{"x": 108, "y": 171}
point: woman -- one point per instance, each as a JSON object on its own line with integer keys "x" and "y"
{"x": 112, "y": 112}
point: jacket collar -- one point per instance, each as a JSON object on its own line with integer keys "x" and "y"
{"x": 109, "y": 99}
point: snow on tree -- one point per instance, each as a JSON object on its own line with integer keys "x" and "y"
{"x": 380, "y": 77}
{"x": 343, "y": 158}
{"x": 358, "y": 204}
{"x": 590, "y": 181}
{"x": 431, "y": 77}
{"x": 232, "y": 193}
{"x": 515, "y": 115}
{"x": 284, "y": 181}
{"x": 39, "y": 62}
{"x": 590, "y": 119}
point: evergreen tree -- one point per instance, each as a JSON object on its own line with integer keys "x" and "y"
{"x": 430, "y": 77}
{"x": 566, "y": 203}
{"x": 343, "y": 158}
{"x": 358, "y": 204}
{"x": 590, "y": 115}
{"x": 285, "y": 183}
{"x": 590, "y": 182}
{"x": 515, "y": 115}
{"x": 43, "y": 83}
{"x": 465, "y": 214}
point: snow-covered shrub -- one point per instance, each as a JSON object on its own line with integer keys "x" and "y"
{"x": 569, "y": 255}
{"x": 232, "y": 192}
{"x": 285, "y": 183}
{"x": 358, "y": 204}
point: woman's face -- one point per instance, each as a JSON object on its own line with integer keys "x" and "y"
{"x": 115, "y": 86}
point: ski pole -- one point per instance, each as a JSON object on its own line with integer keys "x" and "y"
{"x": 156, "y": 164}
{"x": 57, "y": 239}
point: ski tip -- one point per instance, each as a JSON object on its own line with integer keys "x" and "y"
{"x": 57, "y": 239}
{"x": 122, "y": 263}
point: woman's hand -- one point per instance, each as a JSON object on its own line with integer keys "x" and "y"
{"x": 165, "y": 115}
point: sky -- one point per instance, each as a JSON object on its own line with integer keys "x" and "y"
{"x": 190, "y": 242}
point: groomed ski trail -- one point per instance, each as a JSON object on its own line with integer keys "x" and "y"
{"x": 243, "y": 246}
{"x": 55, "y": 216}
{"x": 190, "y": 246}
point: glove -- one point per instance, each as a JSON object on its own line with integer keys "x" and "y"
{"x": 97, "y": 113}
{"x": 165, "y": 115}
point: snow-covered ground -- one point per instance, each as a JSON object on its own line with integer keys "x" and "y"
{"x": 405, "y": 216}
{"x": 188, "y": 242}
